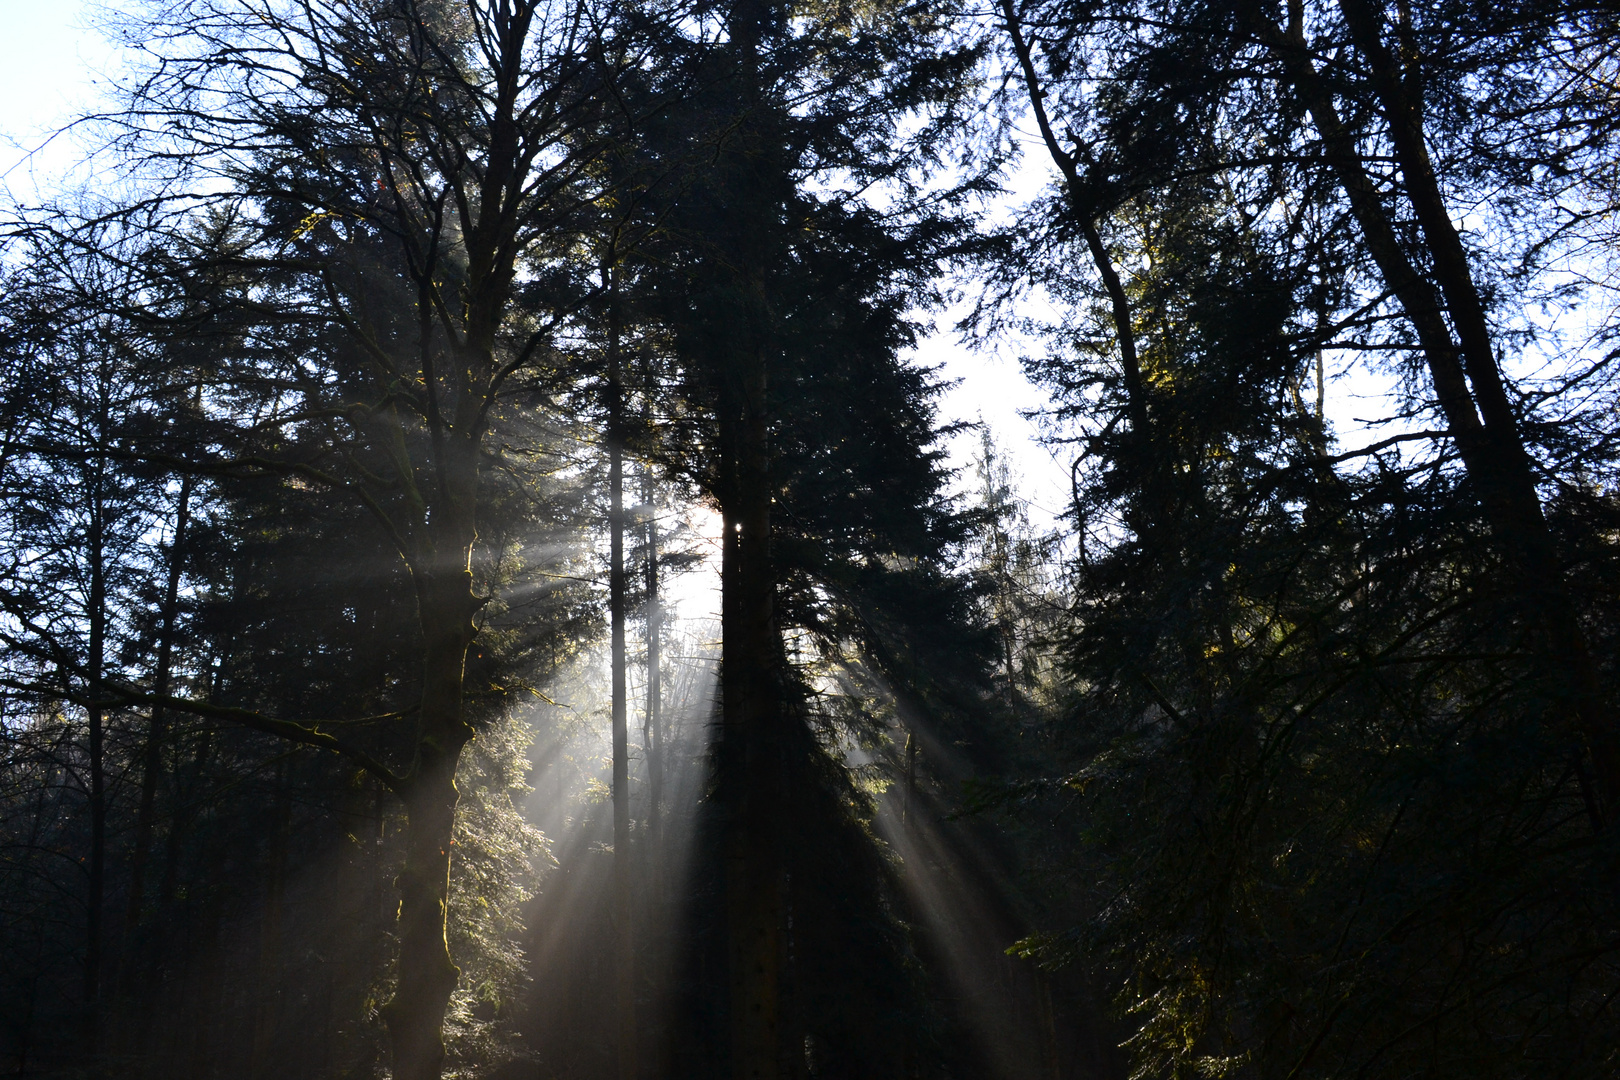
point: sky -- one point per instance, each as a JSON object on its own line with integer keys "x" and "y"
{"x": 42, "y": 85}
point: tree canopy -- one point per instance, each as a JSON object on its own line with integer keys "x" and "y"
{"x": 488, "y": 588}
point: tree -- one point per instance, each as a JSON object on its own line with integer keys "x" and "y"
{"x": 814, "y": 440}
{"x": 75, "y": 547}
{"x": 376, "y": 205}
{"x": 1304, "y": 684}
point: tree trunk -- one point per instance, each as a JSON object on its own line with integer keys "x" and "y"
{"x": 1500, "y": 463}
{"x": 750, "y": 755}
{"x": 23, "y": 1028}
{"x": 1051, "y": 1056}
{"x": 911, "y": 776}
{"x": 157, "y": 729}
{"x": 268, "y": 991}
{"x": 1086, "y": 214}
{"x": 1467, "y": 380}
{"x": 751, "y": 720}
{"x": 653, "y": 735}
{"x": 185, "y": 814}
{"x": 96, "y": 900}
{"x": 624, "y": 940}
{"x": 426, "y": 974}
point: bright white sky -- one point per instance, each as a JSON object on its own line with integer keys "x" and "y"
{"x": 37, "y": 74}
{"x": 46, "y": 79}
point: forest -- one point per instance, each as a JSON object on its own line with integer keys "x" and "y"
{"x": 487, "y": 589}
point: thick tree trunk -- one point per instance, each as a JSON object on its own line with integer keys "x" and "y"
{"x": 426, "y": 974}
{"x": 752, "y": 751}
{"x": 751, "y": 773}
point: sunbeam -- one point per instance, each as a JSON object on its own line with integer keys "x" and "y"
{"x": 570, "y": 969}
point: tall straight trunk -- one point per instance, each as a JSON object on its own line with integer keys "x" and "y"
{"x": 1462, "y": 364}
{"x": 95, "y": 662}
{"x": 653, "y": 735}
{"x": 751, "y": 721}
{"x": 446, "y": 604}
{"x": 624, "y": 941}
{"x": 157, "y": 728}
{"x": 752, "y": 775}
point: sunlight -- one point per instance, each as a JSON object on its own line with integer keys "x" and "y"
{"x": 959, "y": 894}
{"x": 693, "y": 595}
{"x": 570, "y": 920}
{"x": 1168, "y": 487}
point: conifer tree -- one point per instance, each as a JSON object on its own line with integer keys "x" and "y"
{"x": 372, "y": 205}
{"x": 1305, "y": 680}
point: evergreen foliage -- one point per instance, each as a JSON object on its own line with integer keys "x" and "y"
{"x": 364, "y": 445}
